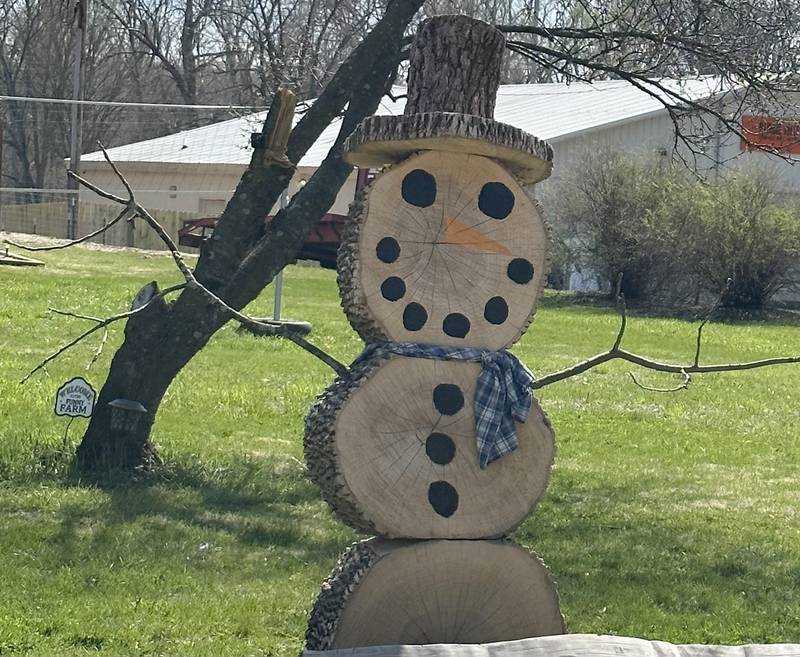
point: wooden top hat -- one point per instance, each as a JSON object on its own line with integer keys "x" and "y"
{"x": 453, "y": 77}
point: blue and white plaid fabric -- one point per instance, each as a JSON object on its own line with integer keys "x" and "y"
{"x": 503, "y": 393}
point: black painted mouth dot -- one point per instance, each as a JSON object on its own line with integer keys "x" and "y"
{"x": 443, "y": 498}
{"x": 496, "y": 200}
{"x": 440, "y": 448}
{"x": 448, "y": 398}
{"x": 419, "y": 188}
{"x": 496, "y": 310}
{"x": 393, "y": 288}
{"x": 456, "y": 325}
{"x": 414, "y": 316}
{"x": 520, "y": 271}
{"x": 387, "y": 250}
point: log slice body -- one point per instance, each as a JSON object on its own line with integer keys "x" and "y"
{"x": 394, "y": 453}
{"x": 434, "y": 592}
{"x": 444, "y": 249}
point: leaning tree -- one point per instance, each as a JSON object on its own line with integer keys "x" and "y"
{"x": 748, "y": 49}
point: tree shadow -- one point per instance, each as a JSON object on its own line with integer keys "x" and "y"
{"x": 264, "y": 504}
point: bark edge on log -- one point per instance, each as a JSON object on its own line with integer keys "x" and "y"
{"x": 381, "y": 140}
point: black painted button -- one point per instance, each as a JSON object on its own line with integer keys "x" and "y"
{"x": 443, "y": 498}
{"x": 393, "y": 288}
{"x": 388, "y": 250}
{"x": 456, "y": 325}
{"x": 414, "y": 316}
{"x": 440, "y": 448}
{"x": 496, "y": 200}
{"x": 496, "y": 310}
{"x": 448, "y": 398}
{"x": 419, "y": 188}
{"x": 520, "y": 271}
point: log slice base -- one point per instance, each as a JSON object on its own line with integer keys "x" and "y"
{"x": 421, "y": 592}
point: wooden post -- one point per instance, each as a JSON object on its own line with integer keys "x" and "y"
{"x": 76, "y": 115}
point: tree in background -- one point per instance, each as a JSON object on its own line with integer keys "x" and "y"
{"x": 675, "y": 239}
{"x": 748, "y": 47}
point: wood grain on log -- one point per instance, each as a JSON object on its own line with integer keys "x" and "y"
{"x": 423, "y": 592}
{"x": 454, "y": 66}
{"x": 443, "y": 249}
{"x": 381, "y": 140}
{"x": 399, "y": 458}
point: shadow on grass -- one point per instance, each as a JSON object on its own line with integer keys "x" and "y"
{"x": 265, "y": 504}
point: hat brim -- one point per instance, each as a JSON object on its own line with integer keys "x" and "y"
{"x": 382, "y": 140}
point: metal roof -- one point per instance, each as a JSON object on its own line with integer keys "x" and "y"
{"x": 550, "y": 111}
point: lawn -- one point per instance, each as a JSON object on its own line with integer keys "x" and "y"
{"x": 669, "y": 516}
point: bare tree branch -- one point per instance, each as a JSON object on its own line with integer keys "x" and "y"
{"x": 125, "y": 214}
{"x": 711, "y": 311}
{"x": 616, "y": 353}
{"x": 275, "y": 327}
{"x": 623, "y": 312}
{"x": 687, "y": 379}
{"x": 99, "y": 324}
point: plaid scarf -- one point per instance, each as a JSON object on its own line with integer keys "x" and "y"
{"x": 503, "y": 393}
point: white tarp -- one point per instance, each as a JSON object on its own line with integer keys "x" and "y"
{"x": 569, "y": 645}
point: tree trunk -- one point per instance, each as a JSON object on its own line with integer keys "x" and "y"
{"x": 159, "y": 341}
{"x": 243, "y": 256}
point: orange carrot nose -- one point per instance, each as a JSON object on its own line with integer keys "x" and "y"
{"x": 459, "y": 233}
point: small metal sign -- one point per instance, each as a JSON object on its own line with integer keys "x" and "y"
{"x": 75, "y": 398}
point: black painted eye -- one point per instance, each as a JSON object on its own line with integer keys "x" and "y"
{"x": 440, "y": 448}
{"x": 414, "y": 316}
{"x": 419, "y": 188}
{"x": 496, "y": 310}
{"x": 387, "y": 250}
{"x": 443, "y": 498}
{"x": 393, "y": 288}
{"x": 496, "y": 200}
{"x": 448, "y": 398}
{"x": 456, "y": 325}
{"x": 520, "y": 271}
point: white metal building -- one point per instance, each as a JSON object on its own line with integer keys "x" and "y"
{"x": 197, "y": 170}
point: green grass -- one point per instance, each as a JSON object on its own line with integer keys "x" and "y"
{"x": 669, "y": 517}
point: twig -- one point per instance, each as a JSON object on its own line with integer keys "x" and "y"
{"x": 617, "y": 353}
{"x": 99, "y": 351}
{"x": 193, "y": 283}
{"x": 125, "y": 214}
{"x": 647, "y": 363}
{"x": 687, "y": 379}
{"x": 710, "y": 312}
{"x": 623, "y": 312}
{"x": 99, "y": 323}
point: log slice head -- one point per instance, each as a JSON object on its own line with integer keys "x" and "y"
{"x": 399, "y": 458}
{"x": 464, "y": 592}
{"x": 444, "y": 249}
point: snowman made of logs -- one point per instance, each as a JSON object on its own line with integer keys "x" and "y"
{"x": 433, "y": 442}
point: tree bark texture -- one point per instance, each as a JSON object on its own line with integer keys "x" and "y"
{"x": 454, "y": 72}
{"x": 455, "y": 67}
{"x": 243, "y": 256}
{"x": 381, "y": 140}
